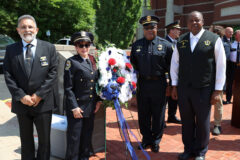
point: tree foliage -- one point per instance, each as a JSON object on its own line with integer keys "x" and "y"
{"x": 116, "y": 21}
{"x": 61, "y": 17}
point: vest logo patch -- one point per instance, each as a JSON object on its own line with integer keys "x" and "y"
{"x": 183, "y": 43}
{"x": 207, "y": 42}
{"x": 159, "y": 47}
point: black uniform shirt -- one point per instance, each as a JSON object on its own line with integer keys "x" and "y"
{"x": 79, "y": 84}
{"x": 151, "y": 58}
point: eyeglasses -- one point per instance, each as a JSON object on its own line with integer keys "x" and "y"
{"x": 150, "y": 28}
{"x": 25, "y": 27}
{"x": 83, "y": 45}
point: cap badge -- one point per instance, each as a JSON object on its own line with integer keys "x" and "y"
{"x": 148, "y": 18}
{"x": 83, "y": 34}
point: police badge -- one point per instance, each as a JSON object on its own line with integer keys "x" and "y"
{"x": 68, "y": 65}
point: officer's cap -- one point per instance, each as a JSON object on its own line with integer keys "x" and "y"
{"x": 82, "y": 36}
{"x": 150, "y": 19}
{"x": 175, "y": 24}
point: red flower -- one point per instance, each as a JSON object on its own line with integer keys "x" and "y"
{"x": 134, "y": 85}
{"x": 128, "y": 66}
{"x": 111, "y": 61}
{"x": 115, "y": 70}
{"x": 121, "y": 80}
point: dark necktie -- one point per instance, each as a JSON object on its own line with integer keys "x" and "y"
{"x": 238, "y": 52}
{"x": 28, "y": 59}
{"x": 89, "y": 63}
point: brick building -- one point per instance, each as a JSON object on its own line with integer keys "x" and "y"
{"x": 223, "y": 12}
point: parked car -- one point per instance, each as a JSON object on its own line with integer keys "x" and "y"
{"x": 4, "y": 42}
{"x": 64, "y": 41}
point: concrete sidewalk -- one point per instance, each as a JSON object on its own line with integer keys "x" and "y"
{"x": 10, "y": 148}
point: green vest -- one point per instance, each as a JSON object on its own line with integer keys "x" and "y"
{"x": 197, "y": 69}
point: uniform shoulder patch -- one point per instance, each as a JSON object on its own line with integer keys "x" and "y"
{"x": 68, "y": 65}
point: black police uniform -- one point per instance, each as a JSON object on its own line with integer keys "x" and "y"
{"x": 151, "y": 59}
{"x": 79, "y": 84}
{"x": 80, "y": 77}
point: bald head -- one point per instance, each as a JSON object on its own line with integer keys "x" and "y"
{"x": 229, "y": 32}
{"x": 193, "y": 13}
{"x": 195, "y": 22}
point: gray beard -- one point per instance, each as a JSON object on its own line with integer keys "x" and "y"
{"x": 28, "y": 38}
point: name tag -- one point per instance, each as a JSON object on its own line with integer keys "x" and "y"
{"x": 43, "y": 61}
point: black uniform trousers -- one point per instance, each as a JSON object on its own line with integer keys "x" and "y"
{"x": 231, "y": 66}
{"x": 195, "y": 111}
{"x": 172, "y": 107}
{"x": 79, "y": 137}
{"x": 151, "y": 109}
{"x": 42, "y": 122}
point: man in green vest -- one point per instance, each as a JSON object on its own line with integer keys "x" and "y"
{"x": 198, "y": 68}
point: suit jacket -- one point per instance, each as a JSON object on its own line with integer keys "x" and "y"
{"x": 168, "y": 39}
{"x": 79, "y": 84}
{"x": 41, "y": 81}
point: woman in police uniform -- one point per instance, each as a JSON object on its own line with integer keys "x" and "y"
{"x": 82, "y": 102}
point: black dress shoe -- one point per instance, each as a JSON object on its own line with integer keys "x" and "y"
{"x": 174, "y": 120}
{"x": 185, "y": 156}
{"x": 155, "y": 148}
{"x": 144, "y": 145}
{"x": 200, "y": 158}
{"x": 226, "y": 102}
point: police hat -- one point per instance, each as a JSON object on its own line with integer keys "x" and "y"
{"x": 82, "y": 36}
{"x": 175, "y": 24}
{"x": 146, "y": 20}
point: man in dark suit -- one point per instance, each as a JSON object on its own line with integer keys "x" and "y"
{"x": 173, "y": 32}
{"x": 227, "y": 40}
{"x": 198, "y": 68}
{"x": 151, "y": 58}
{"x": 30, "y": 70}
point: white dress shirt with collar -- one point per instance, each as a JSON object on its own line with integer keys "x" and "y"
{"x": 233, "y": 55}
{"x": 220, "y": 59}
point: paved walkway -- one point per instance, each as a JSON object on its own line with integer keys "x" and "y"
{"x": 223, "y": 147}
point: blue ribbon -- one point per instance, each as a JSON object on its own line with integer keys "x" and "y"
{"x": 125, "y": 128}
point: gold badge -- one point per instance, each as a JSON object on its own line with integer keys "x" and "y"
{"x": 138, "y": 48}
{"x": 183, "y": 43}
{"x": 68, "y": 65}
{"x": 148, "y": 18}
{"x": 159, "y": 47}
{"x": 207, "y": 42}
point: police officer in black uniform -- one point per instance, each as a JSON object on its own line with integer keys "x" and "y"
{"x": 82, "y": 102}
{"x": 173, "y": 32}
{"x": 151, "y": 58}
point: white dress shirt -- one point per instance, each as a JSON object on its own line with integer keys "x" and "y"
{"x": 33, "y": 48}
{"x": 233, "y": 55}
{"x": 220, "y": 59}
